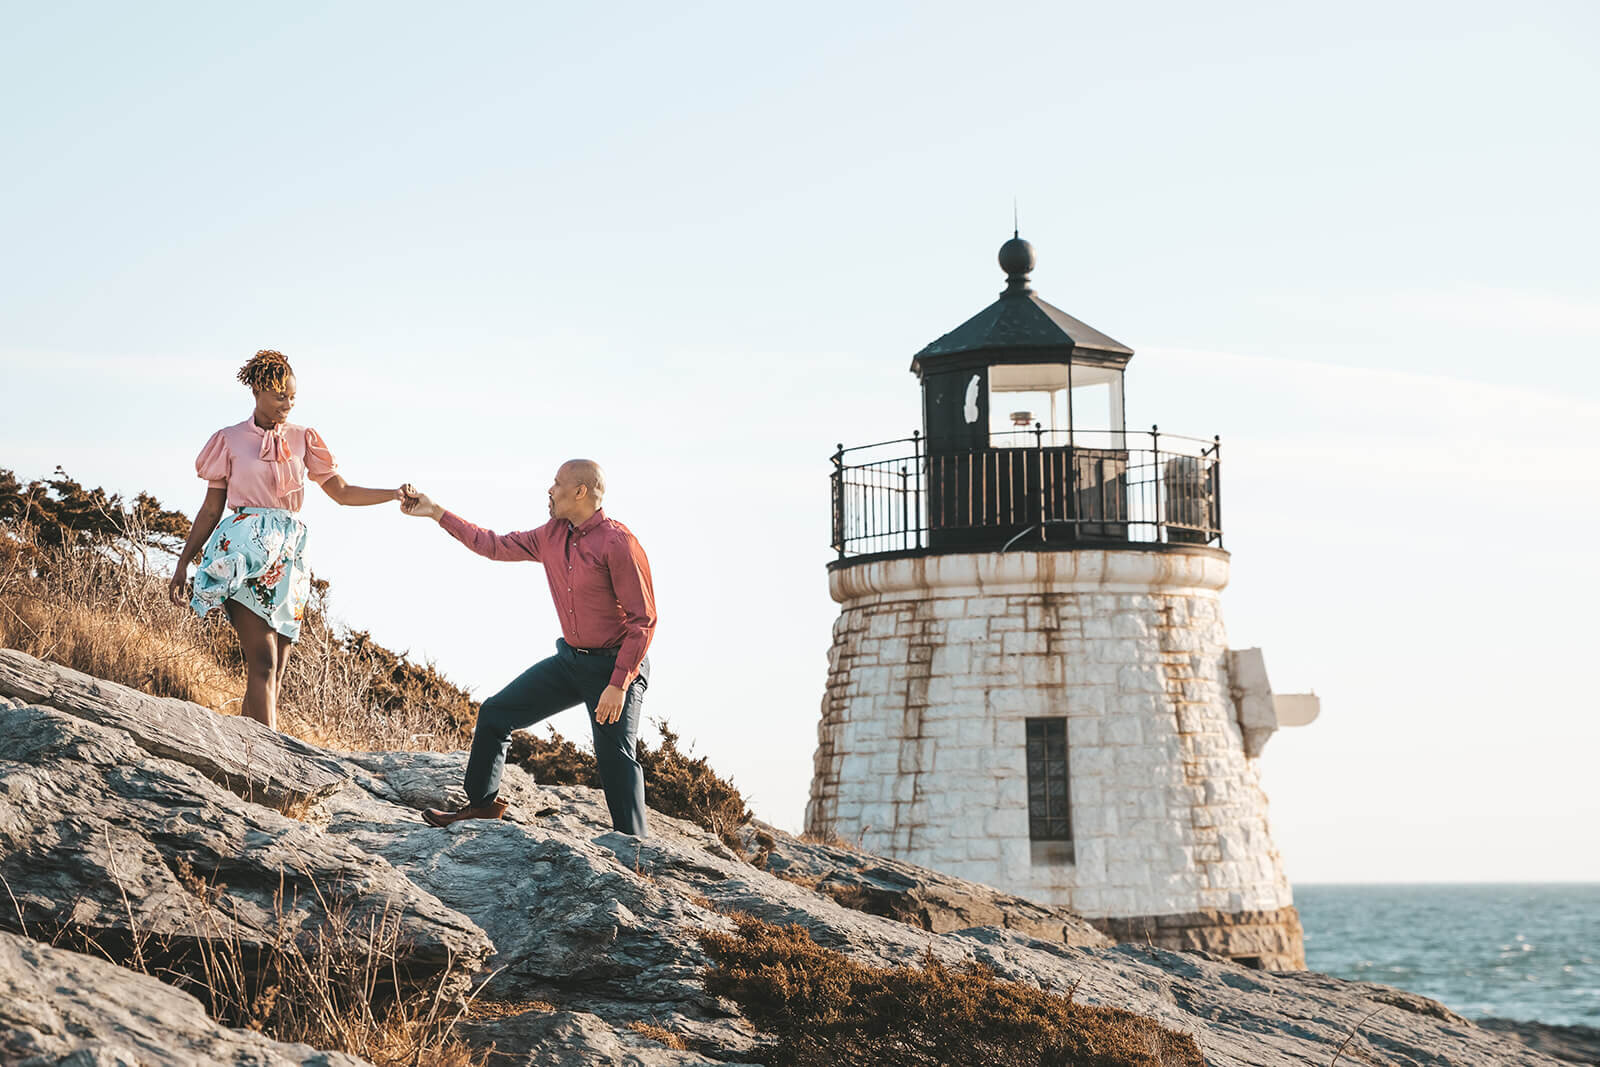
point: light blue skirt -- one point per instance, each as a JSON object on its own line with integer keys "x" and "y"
{"x": 257, "y": 556}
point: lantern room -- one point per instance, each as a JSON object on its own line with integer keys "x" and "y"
{"x": 1021, "y": 365}
{"x": 1024, "y": 442}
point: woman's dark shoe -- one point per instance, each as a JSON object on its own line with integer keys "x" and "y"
{"x": 495, "y": 809}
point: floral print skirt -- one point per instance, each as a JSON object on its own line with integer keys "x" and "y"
{"x": 257, "y": 556}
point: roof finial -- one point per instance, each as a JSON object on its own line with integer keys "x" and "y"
{"x": 1015, "y": 231}
{"x": 1016, "y": 259}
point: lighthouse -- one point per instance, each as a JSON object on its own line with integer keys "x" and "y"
{"x": 1030, "y": 685}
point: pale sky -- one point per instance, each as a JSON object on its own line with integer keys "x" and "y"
{"x": 701, "y": 244}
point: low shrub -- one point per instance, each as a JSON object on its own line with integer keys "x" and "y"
{"x": 823, "y": 1008}
{"x": 686, "y": 787}
{"x": 675, "y": 783}
{"x": 552, "y": 759}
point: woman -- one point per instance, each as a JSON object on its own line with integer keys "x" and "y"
{"x": 254, "y": 564}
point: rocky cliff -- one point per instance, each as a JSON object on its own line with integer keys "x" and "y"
{"x": 133, "y": 825}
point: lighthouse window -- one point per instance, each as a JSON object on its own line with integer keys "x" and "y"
{"x": 1048, "y": 815}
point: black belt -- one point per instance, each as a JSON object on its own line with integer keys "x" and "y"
{"x": 596, "y": 651}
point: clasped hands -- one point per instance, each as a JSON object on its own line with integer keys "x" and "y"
{"x": 415, "y": 502}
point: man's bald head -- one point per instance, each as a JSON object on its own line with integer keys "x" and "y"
{"x": 579, "y": 486}
{"x": 586, "y": 472}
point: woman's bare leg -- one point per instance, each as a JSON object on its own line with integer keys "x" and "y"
{"x": 260, "y": 645}
{"x": 284, "y": 647}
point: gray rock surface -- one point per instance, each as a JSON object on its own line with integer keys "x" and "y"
{"x": 238, "y": 753}
{"x": 100, "y": 839}
{"x": 60, "y": 1007}
{"x": 564, "y": 1038}
{"x": 603, "y": 926}
{"x": 589, "y": 919}
{"x": 927, "y": 899}
{"x": 1569, "y": 1044}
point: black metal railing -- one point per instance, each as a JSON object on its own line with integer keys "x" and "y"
{"x": 1029, "y": 488}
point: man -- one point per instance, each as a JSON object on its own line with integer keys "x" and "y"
{"x": 600, "y": 580}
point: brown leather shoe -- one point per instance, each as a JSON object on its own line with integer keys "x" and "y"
{"x": 495, "y": 809}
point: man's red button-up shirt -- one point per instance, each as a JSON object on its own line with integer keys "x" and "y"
{"x": 598, "y": 574}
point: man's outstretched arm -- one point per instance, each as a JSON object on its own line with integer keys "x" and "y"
{"x": 506, "y": 547}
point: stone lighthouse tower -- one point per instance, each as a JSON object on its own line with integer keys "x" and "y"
{"x": 1029, "y": 684}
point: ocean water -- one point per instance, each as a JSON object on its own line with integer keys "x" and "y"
{"x": 1517, "y": 951}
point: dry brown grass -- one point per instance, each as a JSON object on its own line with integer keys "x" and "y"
{"x": 338, "y": 987}
{"x": 484, "y": 1008}
{"x": 118, "y": 648}
{"x": 104, "y": 610}
{"x": 823, "y": 1008}
{"x": 831, "y": 839}
{"x": 659, "y": 1034}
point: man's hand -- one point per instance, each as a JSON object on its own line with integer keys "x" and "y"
{"x": 414, "y": 501}
{"x": 609, "y": 709}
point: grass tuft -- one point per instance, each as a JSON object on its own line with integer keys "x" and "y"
{"x": 659, "y": 1034}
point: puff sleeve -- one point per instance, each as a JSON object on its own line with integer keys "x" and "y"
{"x": 215, "y": 462}
{"x": 320, "y": 464}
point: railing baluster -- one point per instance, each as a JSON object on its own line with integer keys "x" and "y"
{"x": 1155, "y": 451}
{"x": 1216, "y": 488}
{"x": 905, "y": 512}
{"x": 916, "y": 465}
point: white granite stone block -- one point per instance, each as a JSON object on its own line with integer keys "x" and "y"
{"x": 1124, "y": 730}
{"x": 1024, "y": 641}
{"x": 1039, "y": 671}
{"x": 1131, "y": 624}
{"x": 951, "y": 661}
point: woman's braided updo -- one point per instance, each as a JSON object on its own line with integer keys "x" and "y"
{"x": 267, "y": 369}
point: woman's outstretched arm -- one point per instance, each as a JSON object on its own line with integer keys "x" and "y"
{"x": 356, "y": 496}
{"x": 205, "y": 521}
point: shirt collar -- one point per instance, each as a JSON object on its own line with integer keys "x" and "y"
{"x": 250, "y": 424}
{"x": 591, "y": 522}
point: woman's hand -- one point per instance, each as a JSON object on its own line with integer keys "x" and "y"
{"x": 176, "y": 590}
{"x": 414, "y": 501}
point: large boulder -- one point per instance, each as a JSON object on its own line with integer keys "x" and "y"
{"x": 257, "y": 763}
{"x": 604, "y": 924}
{"x": 60, "y": 1007}
{"x": 102, "y": 838}
{"x": 102, "y": 843}
{"x": 1571, "y": 1044}
{"x": 915, "y": 895}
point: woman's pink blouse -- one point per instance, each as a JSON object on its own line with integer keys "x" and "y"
{"x": 263, "y": 469}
